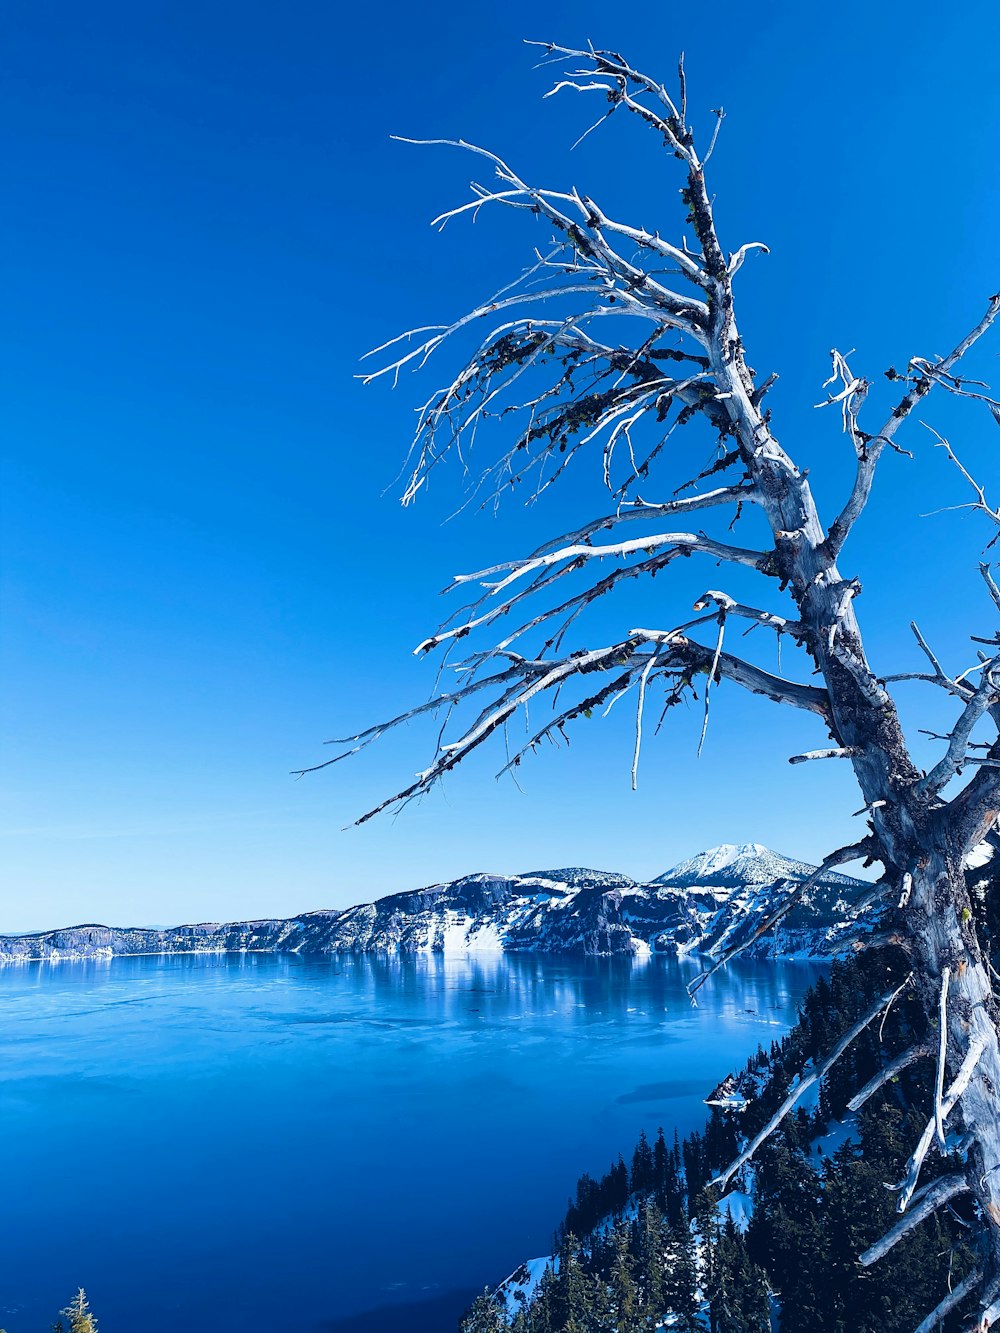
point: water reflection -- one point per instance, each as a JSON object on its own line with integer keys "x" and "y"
{"x": 324, "y": 1136}
{"x": 573, "y": 981}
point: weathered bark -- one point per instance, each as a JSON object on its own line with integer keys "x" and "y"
{"x": 914, "y": 835}
{"x": 940, "y": 924}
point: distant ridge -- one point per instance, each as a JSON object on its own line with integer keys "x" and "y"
{"x": 702, "y": 905}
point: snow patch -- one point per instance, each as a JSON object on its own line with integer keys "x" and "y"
{"x": 840, "y": 1132}
{"x": 519, "y": 1289}
{"x": 738, "y": 1206}
{"x": 980, "y": 855}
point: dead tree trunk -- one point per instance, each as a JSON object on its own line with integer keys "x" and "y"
{"x": 952, "y": 979}
{"x": 606, "y": 354}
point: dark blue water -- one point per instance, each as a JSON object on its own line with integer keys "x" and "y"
{"x": 261, "y": 1142}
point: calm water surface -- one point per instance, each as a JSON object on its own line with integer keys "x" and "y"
{"x": 306, "y": 1146}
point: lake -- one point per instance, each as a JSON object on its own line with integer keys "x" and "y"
{"x": 323, "y": 1146}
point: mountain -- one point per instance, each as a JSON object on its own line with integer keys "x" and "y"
{"x": 736, "y": 865}
{"x": 703, "y": 905}
{"x": 722, "y": 895}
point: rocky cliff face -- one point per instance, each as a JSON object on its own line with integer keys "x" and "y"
{"x": 702, "y": 906}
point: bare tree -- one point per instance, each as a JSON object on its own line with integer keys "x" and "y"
{"x": 609, "y": 342}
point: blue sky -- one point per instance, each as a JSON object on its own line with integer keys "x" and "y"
{"x": 205, "y": 225}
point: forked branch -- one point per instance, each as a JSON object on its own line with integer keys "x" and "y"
{"x": 668, "y": 656}
{"x": 924, "y": 374}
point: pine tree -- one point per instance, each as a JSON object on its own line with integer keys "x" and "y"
{"x": 651, "y": 1269}
{"x": 576, "y": 1296}
{"x": 78, "y": 1312}
{"x": 680, "y": 1280}
{"x": 542, "y": 1317}
{"x": 720, "y": 1144}
{"x": 738, "y": 1299}
{"x": 623, "y": 1291}
{"x": 702, "y": 1209}
{"x": 661, "y": 1159}
{"x": 643, "y": 1174}
{"x": 787, "y": 1236}
{"x": 618, "y": 1183}
{"x": 695, "y": 1170}
{"x": 484, "y": 1316}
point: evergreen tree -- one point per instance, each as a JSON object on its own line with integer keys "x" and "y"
{"x": 643, "y": 1175}
{"x": 661, "y": 1160}
{"x": 738, "y": 1298}
{"x": 786, "y": 1235}
{"x": 78, "y": 1312}
{"x": 485, "y": 1315}
{"x": 651, "y": 1247}
{"x": 577, "y": 1305}
{"x": 623, "y": 1292}
{"x": 702, "y": 1209}
{"x": 680, "y": 1277}
{"x": 618, "y": 1183}
{"x": 720, "y": 1144}
{"x": 541, "y": 1318}
{"x": 695, "y": 1169}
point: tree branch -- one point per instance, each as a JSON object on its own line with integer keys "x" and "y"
{"x": 952, "y": 1301}
{"x": 579, "y": 554}
{"x": 886, "y": 1074}
{"x": 642, "y": 510}
{"x": 868, "y": 458}
{"x": 942, "y": 1109}
{"x": 727, "y": 606}
{"x": 802, "y": 1086}
{"x": 812, "y": 698}
{"x": 938, "y": 1194}
{"x": 986, "y": 696}
{"x": 980, "y": 504}
{"x": 841, "y": 752}
{"x": 855, "y": 852}
{"x": 942, "y": 1056}
{"x": 678, "y": 659}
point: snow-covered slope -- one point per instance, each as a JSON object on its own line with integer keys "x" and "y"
{"x": 722, "y": 895}
{"x": 703, "y": 905}
{"x": 736, "y": 865}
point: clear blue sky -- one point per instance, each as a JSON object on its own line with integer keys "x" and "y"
{"x": 205, "y": 224}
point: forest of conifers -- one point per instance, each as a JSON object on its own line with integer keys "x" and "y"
{"x": 648, "y": 1245}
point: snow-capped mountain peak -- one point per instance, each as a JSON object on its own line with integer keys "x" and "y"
{"x": 727, "y": 855}
{"x": 734, "y": 864}
{"x": 741, "y": 865}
